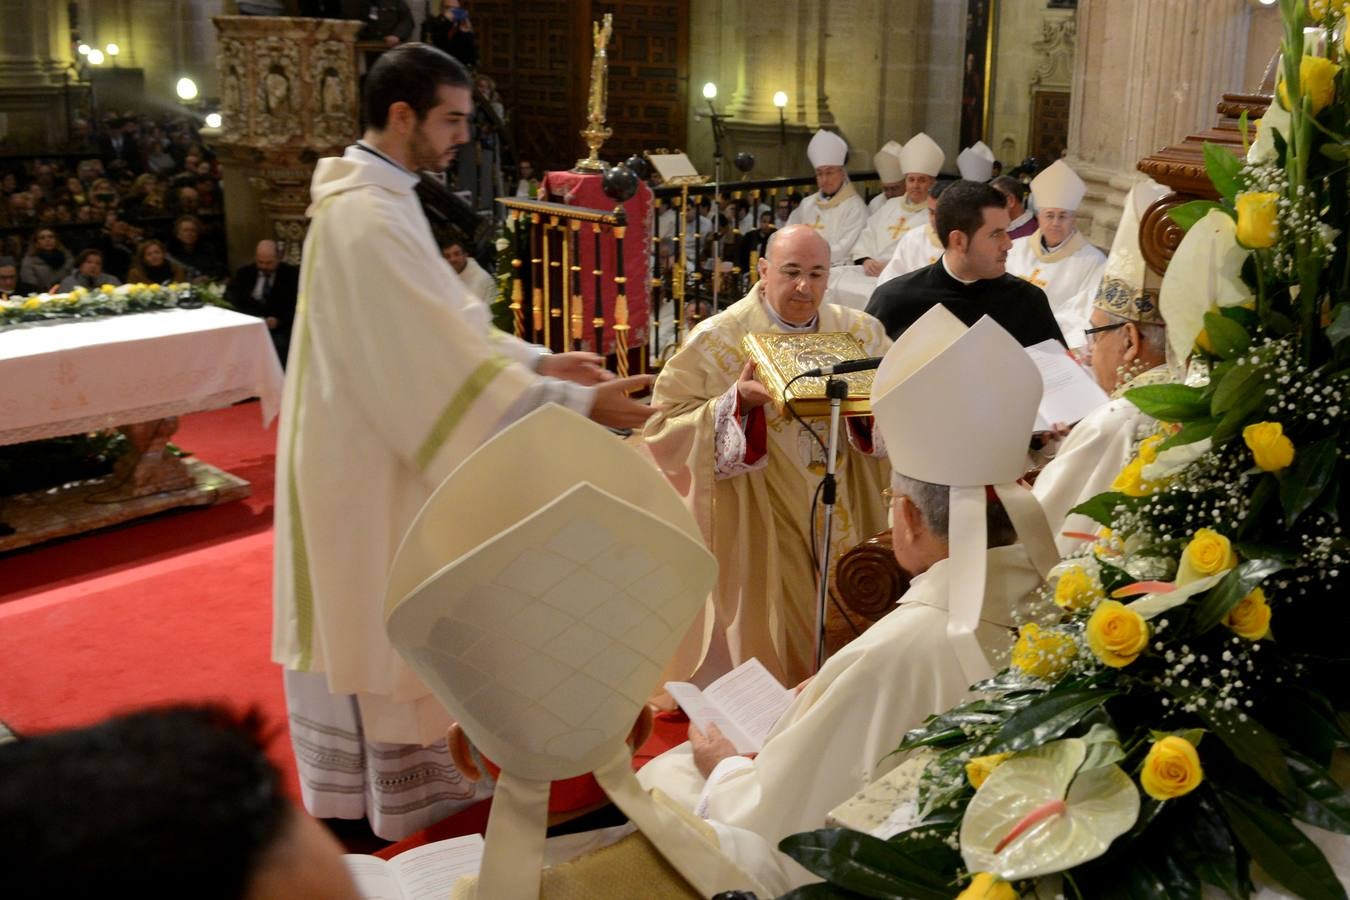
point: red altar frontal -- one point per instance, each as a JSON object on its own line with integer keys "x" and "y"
{"x": 572, "y": 299}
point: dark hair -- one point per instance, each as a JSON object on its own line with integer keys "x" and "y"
{"x": 85, "y": 254}
{"x": 936, "y": 189}
{"x": 1007, "y": 185}
{"x": 412, "y": 73}
{"x": 6, "y": 261}
{"x": 962, "y": 207}
{"x": 157, "y": 800}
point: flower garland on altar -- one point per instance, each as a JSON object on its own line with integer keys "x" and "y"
{"x": 1174, "y": 713}
{"x": 104, "y": 301}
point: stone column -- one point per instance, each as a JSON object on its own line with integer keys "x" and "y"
{"x": 289, "y": 95}
{"x": 1146, "y": 74}
{"x": 36, "y": 100}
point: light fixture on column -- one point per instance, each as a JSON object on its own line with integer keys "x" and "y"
{"x": 780, "y": 101}
{"x": 186, "y": 88}
{"x": 83, "y": 49}
{"x": 95, "y": 57}
{"x": 710, "y": 91}
{"x": 213, "y": 120}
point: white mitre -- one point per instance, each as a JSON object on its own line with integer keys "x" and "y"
{"x": 1058, "y": 187}
{"x": 956, "y": 406}
{"x": 887, "y": 163}
{"x": 976, "y": 162}
{"x": 827, "y": 149}
{"x": 539, "y": 594}
{"x": 922, "y": 156}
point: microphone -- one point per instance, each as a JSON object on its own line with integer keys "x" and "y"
{"x": 843, "y": 368}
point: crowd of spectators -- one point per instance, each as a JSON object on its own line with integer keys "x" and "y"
{"x": 142, "y": 192}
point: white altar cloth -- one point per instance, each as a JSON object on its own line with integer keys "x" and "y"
{"x": 67, "y": 376}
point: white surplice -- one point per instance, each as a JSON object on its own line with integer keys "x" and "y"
{"x": 840, "y": 731}
{"x": 886, "y": 227}
{"x": 839, "y": 220}
{"x": 1069, "y": 275}
{"x": 918, "y": 248}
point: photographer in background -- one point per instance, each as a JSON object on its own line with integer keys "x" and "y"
{"x": 452, "y": 32}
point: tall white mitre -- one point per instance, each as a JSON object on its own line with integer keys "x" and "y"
{"x": 887, "y": 163}
{"x": 827, "y": 149}
{"x": 921, "y": 155}
{"x": 956, "y": 407}
{"x": 976, "y": 162}
{"x": 1058, "y": 187}
{"x": 539, "y": 593}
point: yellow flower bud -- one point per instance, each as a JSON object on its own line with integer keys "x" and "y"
{"x": 1317, "y": 9}
{"x": 978, "y": 769}
{"x": 1130, "y": 481}
{"x": 1043, "y": 654}
{"x": 1076, "y": 589}
{"x": 1171, "y": 769}
{"x": 1208, "y": 553}
{"x": 1258, "y": 223}
{"x": 1271, "y": 450}
{"x": 32, "y": 303}
{"x": 985, "y": 886}
{"x": 1116, "y": 634}
{"x": 1317, "y": 78}
{"x": 1251, "y": 617}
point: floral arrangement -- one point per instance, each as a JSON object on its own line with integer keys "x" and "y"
{"x": 1173, "y": 719}
{"x": 506, "y": 247}
{"x": 104, "y": 301}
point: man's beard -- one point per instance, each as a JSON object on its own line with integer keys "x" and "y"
{"x": 423, "y": 155}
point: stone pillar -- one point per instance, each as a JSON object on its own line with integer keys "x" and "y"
{"x": 1146, "y": 73}
{"x": 289, "y": 95}
{"x": 36, "y": 98}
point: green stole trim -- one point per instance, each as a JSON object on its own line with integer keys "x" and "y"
{"x": 459, "y": 405}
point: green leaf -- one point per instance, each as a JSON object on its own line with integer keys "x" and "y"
{"x": 819, "y": 891}
{"x": 1102, "y": 507}
{"x": 1227, "y": 337}
{"x": 1304, "y": 481}
{"x": 1339, "y": 152}
{"x": 1206, "y": 845}
{"x": 866, "y": 865}
{"x": 1170, "y": 402}
{"x": 1253, "y": 745}
{"x": 1190, "y": 433}
{"x": 1187, "y": 214}
{"x": 1339, "y": 329}
{"x": 1266, "y": 490}
{"x": 1228, "y": 593}
{"x": 1047, "y": 718}
{"x": 1224, "y": 169}
{"x": 1321, "y": 801}
{"x": 1238, "y": 385}
{"x": 1281, "y": 849}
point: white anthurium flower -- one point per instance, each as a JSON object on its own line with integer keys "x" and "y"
{"x": 1205, "y": 273}
{"x": 1087, "y": 563}
{"x": 502, "y": 244}
{"x": 1172, "y": 460}
{"x": 1262, "y": 150}
{"x": 1156, "y": 604}
{"x": 1037, "y": 813}
{"x": 122, "y": 290}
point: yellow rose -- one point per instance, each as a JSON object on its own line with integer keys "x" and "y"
{"x": 1171, "y": 769}
{"x": 985, "y": 886}
{"x": 1130, "y": 481}
{"x": 1258, "y": 223}
{"x": 1317, "y": 78}
{"x": 1148, "y": 448}
{"x": 32, "y": 303}
{"x": 1076, "y": 589}
{"x": 1270, "y": 448}
{"x": 1251, "y": 617}
{"x": 1208, "y": 553}
{"x": 1317, "y": 9}
{"x": 106, "y": 288}
{"x": 1116, "y": 634}
{"x": 1043, "y": 654}
{"x": 978, "y": 769}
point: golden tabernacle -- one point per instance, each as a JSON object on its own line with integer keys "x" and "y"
{"x": 781, "y": 357}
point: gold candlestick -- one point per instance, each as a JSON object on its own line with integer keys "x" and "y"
{"x": 595, "y": 132}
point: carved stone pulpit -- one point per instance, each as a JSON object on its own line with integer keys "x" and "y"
{"x": 289, "y": 95}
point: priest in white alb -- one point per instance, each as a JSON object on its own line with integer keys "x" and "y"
{"x": 1056, "y": 257}
{"x": 891, "y": 176}
{"x": 976, "y": 162}
{"x": 920, "y": 246}
{"x": 749, "y": 472}
{"x": 956, "y": 405}
{"x": 835, "y": 209}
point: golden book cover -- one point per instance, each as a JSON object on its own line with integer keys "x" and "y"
{"x": 781, "y": 357}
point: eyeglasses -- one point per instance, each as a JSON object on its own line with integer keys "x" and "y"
{"x": 1089, "y": 332}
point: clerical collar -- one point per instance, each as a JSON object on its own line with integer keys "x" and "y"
{"x": 1048, "y": 249}
{"x": 949, "y": 271}
{"x": 362, "y": 145}
{"x": 783, "y": 323}
{"x": 1020, "y": 220}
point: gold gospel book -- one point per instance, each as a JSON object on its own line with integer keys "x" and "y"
{"x": 781, "y": 357}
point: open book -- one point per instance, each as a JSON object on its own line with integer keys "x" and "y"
{"x": 423, "y": 873}
{"x": 744, "y": 704}
{"x": 1070, "y": 390}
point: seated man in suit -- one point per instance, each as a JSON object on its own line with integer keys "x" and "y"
{"x": 268, "y": 289}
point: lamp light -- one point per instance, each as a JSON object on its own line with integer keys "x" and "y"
{"x": 95, "y": 57}
{"x": 83, "y": 49}
{"x": 779, "y": 99}
{"x": 112, "y": 49}
{"x": 187, "y": 89}
{"x": 213, "y": 120}
{"x": 709, "y": 90}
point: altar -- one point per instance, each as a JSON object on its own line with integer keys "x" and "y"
{"x": 138, "y": 373}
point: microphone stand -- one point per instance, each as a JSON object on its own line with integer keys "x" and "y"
{"x": 836, "y": 390}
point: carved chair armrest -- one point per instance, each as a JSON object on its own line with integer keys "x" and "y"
{"x": 868, "y": 579}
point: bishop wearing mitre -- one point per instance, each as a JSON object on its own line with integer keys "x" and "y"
{"x": 835, "y": 209}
